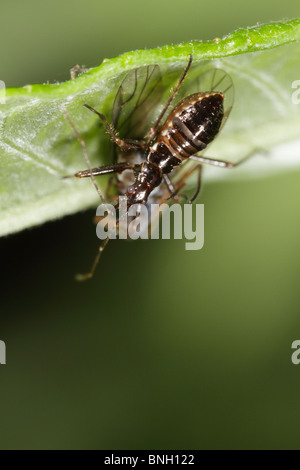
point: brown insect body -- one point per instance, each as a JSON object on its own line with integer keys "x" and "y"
{"x": 189, "y": 128}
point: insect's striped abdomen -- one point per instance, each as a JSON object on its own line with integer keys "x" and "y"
{"x": 192, "y": 124}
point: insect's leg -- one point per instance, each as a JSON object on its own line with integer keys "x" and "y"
{"x": 108, "y": 187}
{"x": 169, "y": 184}
{"x": 198, "y": 184}
{"x": 117, "y": 184}
{"x": 84, "y": 277}
{"x": 125, "y": 144}
{"x": 108, "y": 197}
{"x": 106, "y": 170}
{"x": 85, "y": 154}
{"x": 181, "y": 182}
{"x": 171, "y": 188}
{"x": 152, "y": 132}
{"x": 174, "y": 195}
{"x": 222, "y": 163}
{"x": 76, "y": 70}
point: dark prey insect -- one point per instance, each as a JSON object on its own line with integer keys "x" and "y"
{"x": 188, "y": 129}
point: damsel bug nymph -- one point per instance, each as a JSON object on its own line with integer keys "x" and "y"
{"x": 150, "y": 155}
{"x": 190, "y": 127}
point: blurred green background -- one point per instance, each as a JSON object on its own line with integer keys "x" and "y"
{"x": 163, "y": 348}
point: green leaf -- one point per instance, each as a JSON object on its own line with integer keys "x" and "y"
{"x": 38, "y": 146}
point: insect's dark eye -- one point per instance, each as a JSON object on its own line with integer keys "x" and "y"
{"x": 131, "y": 190}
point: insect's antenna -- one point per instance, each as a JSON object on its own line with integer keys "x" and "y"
{"x": 109, "y": 129}
{"x": 172, "y": 96}
{"x": 101, "y": 116}
{"x": 85, "y": 154}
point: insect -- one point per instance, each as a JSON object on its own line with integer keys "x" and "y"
{"x": 187, "y": 130}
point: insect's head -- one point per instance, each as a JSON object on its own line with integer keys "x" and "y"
{"x": 148, "y": 178}
{"x": 137, "y": 193}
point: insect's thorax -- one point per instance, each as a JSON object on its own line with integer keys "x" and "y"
{"x": 189, "y": 128}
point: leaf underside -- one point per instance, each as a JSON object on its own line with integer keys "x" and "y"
{"x": 38, "y": 147}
